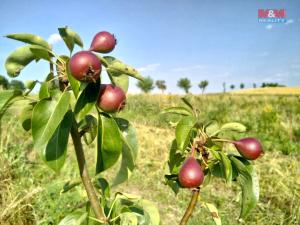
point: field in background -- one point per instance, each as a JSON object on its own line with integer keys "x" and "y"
{"x": 270, "y": 91}
{"x": 27, "y": 196}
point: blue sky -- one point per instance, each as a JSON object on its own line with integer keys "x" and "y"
{"x": 220, "y": 41}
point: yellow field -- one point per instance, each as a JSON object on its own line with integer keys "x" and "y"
{"x": 271, "y": 91}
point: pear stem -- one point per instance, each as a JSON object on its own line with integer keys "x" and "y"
{"x": 190, "y": 208}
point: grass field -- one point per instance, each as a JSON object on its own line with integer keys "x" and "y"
{"x": 270, "y": 91}
{"x": 30, "y": 192}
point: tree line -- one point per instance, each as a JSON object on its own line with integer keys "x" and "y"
{"x": 185, "y": 84}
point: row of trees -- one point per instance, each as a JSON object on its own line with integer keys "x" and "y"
{"x": 13, "y": 84}
{"x": 184, "y": 83}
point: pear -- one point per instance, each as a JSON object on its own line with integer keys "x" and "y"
{"x": 191, "y": 174}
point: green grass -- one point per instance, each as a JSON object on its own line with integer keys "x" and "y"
{"x": 30, "y": 192}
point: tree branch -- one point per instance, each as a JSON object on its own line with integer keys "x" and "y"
{"x": 190, "y": 208}
{"x": 86, "y": 180}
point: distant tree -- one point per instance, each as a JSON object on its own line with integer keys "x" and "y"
{"x": 224, "y": 87}
{"x": 161, "y": 85}
{"x": 232, "y": 86}
{"x": 242, "y": 86}
{"x": 3, "y": 82}
{"x": 202, "y": 85}
{"x": 254, "y": 85}
{"x": 146, "y": 85}
{"x": 16, "y": 84}
{"x": 272, "y": 85}
{"x": 185, "y": 84}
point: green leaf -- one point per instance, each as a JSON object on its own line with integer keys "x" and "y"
{"x": 44, "y": 90}
{"x": 87, "y": 100}
{"x": 121, "y": 80}
{"x": 54, "y": 154}
{"x": 128, "y": 218}
{"x": 183, "y": 131}
{"x": 151, "y": 210}
{"x": 41, "y": 52}
{"x": 105, "y": 191}
{"x": 187, "y": 100}
{"x": 7, "y": 98}
{"x": 129, "y": 151}
{"x": 75, "y": 84}
{"x": 249, "y": 183}
{"x": 118, "y": 68}
{"x": 30, "y": 84}
{"x": 212, "y": 128}
{"x": 18, "y": 59}
{"x": 70, "y": 37}
{"x": 46, "y": 117}
{"x": 30, "y": 39}
{"x": 172, "y": 182}
{"x": 226, "y": 167}
{"x": 175, "y": 158}
{"x": 178, "y": 110}
{"x": 117, "y": 78}
{"x": 236, "y": 127}
{"x": 25, "y": 116}
{"x": 74, "y": 218}
{"x": 109, "y": 143}
{"x": 88, "y": 125}
{"x": 213, "y": 212}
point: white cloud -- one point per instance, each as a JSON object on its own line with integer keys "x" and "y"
{"x": 54, "y": 38}
{"x": 290, "y": 21}
{"x": 188, "y": 68}
{"x": 149, "y": 68}
{"x": 269, "y": 26}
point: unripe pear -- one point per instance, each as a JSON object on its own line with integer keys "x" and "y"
{"x": 191, "y": 174}
{"x": 250, "y": 148}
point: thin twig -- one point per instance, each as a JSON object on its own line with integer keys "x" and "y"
{"x": 190, "y": 208}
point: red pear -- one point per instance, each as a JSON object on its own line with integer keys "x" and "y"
{"x": 191, "y": 174}
{"x": 85, "y": 66}
{"x": 111, "y": 98}
{"x": 103, "y": 42}
{"x": 250, "y": 148}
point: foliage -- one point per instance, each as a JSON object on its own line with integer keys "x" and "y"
{"x": 195, "y": 137}
{"x": 66, "y": 106}
{"x": 242, "y": 85}
{"x": 161, "y": 85}
{"x": 232, "y": 86}
{"x": 146, "y": 85}
{"x": 3, "y": 82}
{"x": 185, "y": 84}
{"x": 202, "y": 85}
{"x": 271, "y": 85}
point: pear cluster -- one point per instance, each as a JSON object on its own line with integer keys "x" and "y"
{"x": 85, "y": 66}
